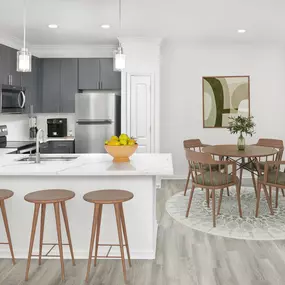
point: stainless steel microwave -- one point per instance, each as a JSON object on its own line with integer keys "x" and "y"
{"x": 12, "y": 99}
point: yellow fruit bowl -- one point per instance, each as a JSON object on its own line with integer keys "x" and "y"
{"x": 121, "y": 153}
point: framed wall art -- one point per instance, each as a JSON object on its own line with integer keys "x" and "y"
{"x": 224, "y": 97}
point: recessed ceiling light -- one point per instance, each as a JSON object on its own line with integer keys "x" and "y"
{"x": 105, "y": 26}
{"x": 53, "y": 26}
{"x": 241, "y": 31}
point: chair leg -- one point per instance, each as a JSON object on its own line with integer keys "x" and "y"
{"x": 228, "y": 191}
{"x": 32, "y": 239}
{"x": 125, "y": 233}
{"x": 43, "y": 213}
{"x": 282, "y": 190}
{"x": 95, "y": 215}
{"x": 239, "y": 201}
{"x": 187, "y": 182}
{"x": 214, "y": 208}
{"x": 65, "y": 218}
{"x": 6, "y": 224}
{"x": 254, "y": 183}
{"x": 119, "y": 226}
{"x": 58, "y": 228}
{"x": 190, "y": 201}
{"x": 276, "y": 198}
{"x": 208, "y": 197}
{"x": 270, "y": 194}
{"x": 98, "y": 227}
{"x": 257, "y": 199}
{"x": 220, "y": 201}
{"x": 268, "y": 199}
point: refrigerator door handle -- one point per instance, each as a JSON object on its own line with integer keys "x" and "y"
{"x": 94, "y": 122}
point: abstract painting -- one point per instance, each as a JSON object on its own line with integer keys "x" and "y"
{"x": 224, "y": 97}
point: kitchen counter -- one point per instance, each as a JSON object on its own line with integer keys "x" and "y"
{"x": 88, "y": 172}
{"x": 88, "y": 165}
{"x": 4, "y": 151}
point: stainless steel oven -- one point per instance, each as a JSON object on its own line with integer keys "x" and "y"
{"x": 12, "y": 99}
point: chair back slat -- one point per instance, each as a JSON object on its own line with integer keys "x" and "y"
{"x": 274, "y": 143}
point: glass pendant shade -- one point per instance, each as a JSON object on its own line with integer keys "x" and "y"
{"x": 119, "y": 60}
{"x": 24, "y": 60}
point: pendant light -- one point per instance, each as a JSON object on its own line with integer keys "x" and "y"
{"x": 24, "y": 57}
{"x": 119, "y": 56}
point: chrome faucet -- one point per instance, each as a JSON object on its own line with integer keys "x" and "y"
{"x": 38, "y": 155}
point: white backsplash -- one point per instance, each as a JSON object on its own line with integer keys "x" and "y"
{"x": 18, "y": 125}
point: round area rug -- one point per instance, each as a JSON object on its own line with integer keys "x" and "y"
{"x": 228, "y": 223}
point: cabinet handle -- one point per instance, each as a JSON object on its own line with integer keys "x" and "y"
{"x": 98, "y": 85}
{"x": 101, "y": 85}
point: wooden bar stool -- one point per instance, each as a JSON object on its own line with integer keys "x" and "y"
{"x": 41, "y": 198}
{"x": 6, "y": 194}
{"x": 99, "y": 198}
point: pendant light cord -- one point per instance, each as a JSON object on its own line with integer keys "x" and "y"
{"x": 120, "y": 13}
{"x": 24, "y": 20}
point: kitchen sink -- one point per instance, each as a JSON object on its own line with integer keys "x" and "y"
{"x": 49, "y": 158}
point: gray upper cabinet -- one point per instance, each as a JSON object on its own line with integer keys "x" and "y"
{"x": 88, "y": 73}
{"x": 51, "y": 71}
{"x": 31, "y": 81}
{"x": 98, "y": 74}
{"x": 8, "y": 66}
{"x": 69, "y": 84}
{"x": 110, "y": 79}
{"x": 59, "y": 85}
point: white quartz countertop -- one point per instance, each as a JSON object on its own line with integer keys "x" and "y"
{"x": 6, "y": 150}
{"x": 88, "y": 165}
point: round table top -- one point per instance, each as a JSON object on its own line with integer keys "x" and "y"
{"x": 232, "y": 151}
{"x": 108, "y": 196}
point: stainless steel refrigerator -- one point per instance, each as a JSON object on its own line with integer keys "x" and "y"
{"x": 97, "y": 119}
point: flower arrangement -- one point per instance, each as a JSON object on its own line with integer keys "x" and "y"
{"x": 241, "y": 125}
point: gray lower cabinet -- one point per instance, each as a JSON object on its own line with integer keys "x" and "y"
{"x": 98, "y": 74}
{"x": 59, "y": 85}
{"x": 8, "y": 66}
{"x": 57, "y": 147}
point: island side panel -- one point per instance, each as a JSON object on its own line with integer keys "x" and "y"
{"x": 140, "y": 214}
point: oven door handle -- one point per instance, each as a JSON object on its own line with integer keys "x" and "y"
{"x": 21, "y": 93}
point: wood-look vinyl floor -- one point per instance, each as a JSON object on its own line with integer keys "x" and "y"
{"x": 184, "y": 257}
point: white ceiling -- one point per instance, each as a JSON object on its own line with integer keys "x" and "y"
{"x": 203, "y": 20}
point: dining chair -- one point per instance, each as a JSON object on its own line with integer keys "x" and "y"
{"x": 195, "y": 145}
{"x": 271, "y": 177}
{"x": 279, "y": 146}
{"x": 204, "y": 175}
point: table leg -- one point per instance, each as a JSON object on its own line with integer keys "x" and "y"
{"x": 240, "y": 175}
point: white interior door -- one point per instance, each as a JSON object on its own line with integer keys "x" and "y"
{"x": 139, "y": 104}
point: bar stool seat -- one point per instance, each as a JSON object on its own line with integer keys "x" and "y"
{"x": 99, "y": 198}
{"x": 6, "y": 194}
{"x": 41, "y": 199}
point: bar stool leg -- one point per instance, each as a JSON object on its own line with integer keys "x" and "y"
{"x": 95, "y": 215}
{"x": 117, "y": 211}
{"x": 33, "y": 231}
{"x": 64, "y": 213}
{"x": 58, "y": 228}
{"x": 43, "y": 213}
{"x": 125, "y": 232}
{"x": 99, "y": 217}
{"x": 5, "y": 219}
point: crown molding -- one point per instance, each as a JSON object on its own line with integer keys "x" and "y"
{"x": 72, "y": 51}
{"x": 11, "y": 41}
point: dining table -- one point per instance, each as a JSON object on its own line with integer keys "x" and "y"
{"x": 247, "y": 159}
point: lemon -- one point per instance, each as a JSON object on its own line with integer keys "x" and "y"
{"x": 117, "y": 143}
{"x": 131, "y": 142}
{"x": 123, "y": 142}
{"x": 112, "y": 143}
{"x": 124, "y": 137}
{"x": 114, "y": 138}
{"x": 106, "y": 142}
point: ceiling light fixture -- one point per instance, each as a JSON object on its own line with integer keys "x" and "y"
{"x": 105, "y": 26}
{"x": 241, "y": 31}
{"x": 24, "y": 57}
{"x": 119, "y": 59}
{"x": 53, "y": 26}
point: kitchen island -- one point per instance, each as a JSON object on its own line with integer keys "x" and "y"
{"x": 86, "y": 173}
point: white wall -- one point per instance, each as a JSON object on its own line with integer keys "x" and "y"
{"x": 182, "y": 67}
